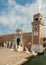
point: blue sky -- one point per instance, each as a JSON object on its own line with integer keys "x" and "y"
{"x": 19, "y": 14}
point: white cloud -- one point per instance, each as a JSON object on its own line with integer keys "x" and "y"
{"x": 17, "y": 14}
{"x": 3, "y": 20}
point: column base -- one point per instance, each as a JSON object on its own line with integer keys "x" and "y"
{"x": 37, "y": 48}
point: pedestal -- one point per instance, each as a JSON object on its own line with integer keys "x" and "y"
{"x": 37, "y": 48}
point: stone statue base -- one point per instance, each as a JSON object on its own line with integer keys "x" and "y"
{"x": 19, "y": 48}
{"x": 37, "y": 48}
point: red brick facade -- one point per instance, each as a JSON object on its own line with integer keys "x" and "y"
{"x": 26, "y": 37}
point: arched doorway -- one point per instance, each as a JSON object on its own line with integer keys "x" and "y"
{"x": 18, "y": 41}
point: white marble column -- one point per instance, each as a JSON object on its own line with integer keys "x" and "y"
{"x": 9, "y": 44}
{"x": 5, "y": 45}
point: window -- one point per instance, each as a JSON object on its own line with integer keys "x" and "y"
{"x": 36, "y": 19}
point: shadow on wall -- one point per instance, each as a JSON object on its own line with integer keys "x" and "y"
{"x": 1, "y": 44}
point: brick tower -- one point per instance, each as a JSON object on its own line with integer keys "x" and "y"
{"x": 37, "y": 33}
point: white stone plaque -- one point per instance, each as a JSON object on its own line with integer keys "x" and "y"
{"x": 36, "y": 31}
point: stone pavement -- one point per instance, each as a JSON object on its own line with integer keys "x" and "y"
{"x": 8, "y": 57}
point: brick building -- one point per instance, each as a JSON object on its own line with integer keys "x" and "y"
{"x": 31, "y": 41}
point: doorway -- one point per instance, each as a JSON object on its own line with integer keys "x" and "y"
{"x": 18, "y": 41}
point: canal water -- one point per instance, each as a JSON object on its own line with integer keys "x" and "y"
{"x": 39, "y": 60}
